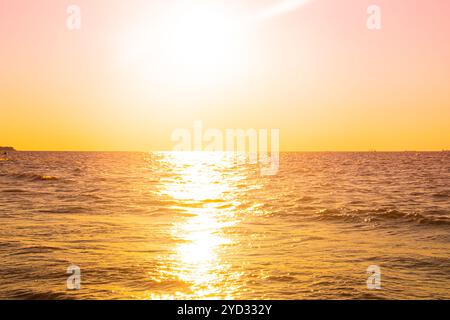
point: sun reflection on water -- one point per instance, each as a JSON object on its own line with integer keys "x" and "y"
{"x": 203, "y": 193}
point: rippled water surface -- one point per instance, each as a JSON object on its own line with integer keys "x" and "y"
{"x": 195, "y": 225}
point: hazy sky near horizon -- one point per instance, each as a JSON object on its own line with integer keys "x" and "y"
{"x": 137, "y": 70}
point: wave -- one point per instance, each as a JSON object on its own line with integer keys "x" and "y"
{"x": 381, "y": 215}
{"x": 442, "y": 194}
{"x": 31, "y": 294}
{"x": 30, "y": 176}
{"x": 33, "y": 250}
{"x": 14, "y": 191}
{"x": 62, "y": 210}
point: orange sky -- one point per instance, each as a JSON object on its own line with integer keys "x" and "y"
{"x": 137, "y": 70}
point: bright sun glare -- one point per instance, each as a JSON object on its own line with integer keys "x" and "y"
{"x": 202, "y": 38}
{"x": 197, "y": 44}
{"x": 190, "y": 45}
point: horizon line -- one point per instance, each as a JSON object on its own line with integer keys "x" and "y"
{"x": 281, "y": 151}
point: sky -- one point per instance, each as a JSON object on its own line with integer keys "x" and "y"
{"x": 138, "y": 70}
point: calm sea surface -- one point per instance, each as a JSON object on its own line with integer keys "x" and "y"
{"x": 195, "y": 225}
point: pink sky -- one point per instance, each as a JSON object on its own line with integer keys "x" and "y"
{"x": 317, "y": 73}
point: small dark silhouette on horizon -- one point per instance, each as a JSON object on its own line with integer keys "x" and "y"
{"x": 7, "y": 149}
{"x": 4, "y": 150}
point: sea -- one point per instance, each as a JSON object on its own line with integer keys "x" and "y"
{"x": 200, "y": 225}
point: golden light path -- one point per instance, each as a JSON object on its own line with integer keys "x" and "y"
{"x": 204, "y": 195}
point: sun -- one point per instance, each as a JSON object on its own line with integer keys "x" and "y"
{"x": 189, "y": 45}
{"x": 202, "y": 39}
